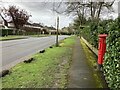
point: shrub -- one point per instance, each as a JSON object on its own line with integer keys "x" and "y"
{"x": 5, "y": 32}
{"x": 112, "y": 56}
{"x": 91, "y": 34}
{"x": 94, "y": 33}
{"x": 86, "y": 34}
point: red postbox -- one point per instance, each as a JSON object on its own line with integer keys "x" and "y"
{"x": 101, "y": 48}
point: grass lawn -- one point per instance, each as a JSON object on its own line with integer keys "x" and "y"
{"x": 14, "y": 37}
{"x": 11, "y": 37}
{"x": 49, "y": 69}
{"x": 41, "y": 35}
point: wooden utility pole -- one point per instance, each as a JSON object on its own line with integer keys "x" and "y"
{"x": 57, "y": 32}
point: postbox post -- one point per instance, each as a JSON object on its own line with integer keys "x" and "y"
{"x": 101, "y": 50}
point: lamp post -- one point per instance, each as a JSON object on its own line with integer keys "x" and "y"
{"x": 57, "y": 32}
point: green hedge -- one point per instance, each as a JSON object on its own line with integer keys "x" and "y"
{"x": 112, "y": 56}
{"x": 90, "y": 33}
{"x": 5, "y": 32}
{"x": 30, "y": 33}
{"x": 85, "y": 32}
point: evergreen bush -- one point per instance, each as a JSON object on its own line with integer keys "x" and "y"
{"x": 112, "y": 57}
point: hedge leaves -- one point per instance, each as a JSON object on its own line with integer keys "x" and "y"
{"x": 112, "y": 56}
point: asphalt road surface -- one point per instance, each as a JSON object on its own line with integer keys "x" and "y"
{"x": 15, "y": 51}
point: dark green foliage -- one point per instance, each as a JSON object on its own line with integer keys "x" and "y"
{"x": 30, "y": 33}
{"x": 86, "y": 34}
{"x": 90, "y": 33}
{"x": 112, "y": 56}
{"x": 94, "y": 33}
{"x": 102, "y": 28}
{"x": 5, "y": 32}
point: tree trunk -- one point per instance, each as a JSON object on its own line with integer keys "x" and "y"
{"x": 99, "y": 10}
{"x": 5, "y": 22}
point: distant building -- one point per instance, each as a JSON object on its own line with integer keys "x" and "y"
{"x": 2, "y": 24}
{"x": 11, "y": 25}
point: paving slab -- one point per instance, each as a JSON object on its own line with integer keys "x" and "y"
{"x": 80, "y": 72}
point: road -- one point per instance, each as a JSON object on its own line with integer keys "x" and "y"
{"x": 15, "y": 51}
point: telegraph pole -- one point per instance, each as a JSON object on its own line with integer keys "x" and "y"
{"x": 57, "y": 32}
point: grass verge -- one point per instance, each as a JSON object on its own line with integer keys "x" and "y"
{"x": 12, "y": 37}
{"x": 49, "y": 69}
{"x": 41, "y": 35}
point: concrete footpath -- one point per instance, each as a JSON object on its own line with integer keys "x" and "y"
{"x": 80, "y": 71}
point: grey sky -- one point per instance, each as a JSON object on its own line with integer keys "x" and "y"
{"x": 42, "y": 12}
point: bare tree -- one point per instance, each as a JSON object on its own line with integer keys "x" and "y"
{"x": 80, "y": 8}
{"x": 97, "y": 7}
{"x": 84, "y": 8}
{"x": 5, "y": 21}
{"x": 19, "y": 16}
{"x": 3, "y": 17}
{"x": 76, "y": 8}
